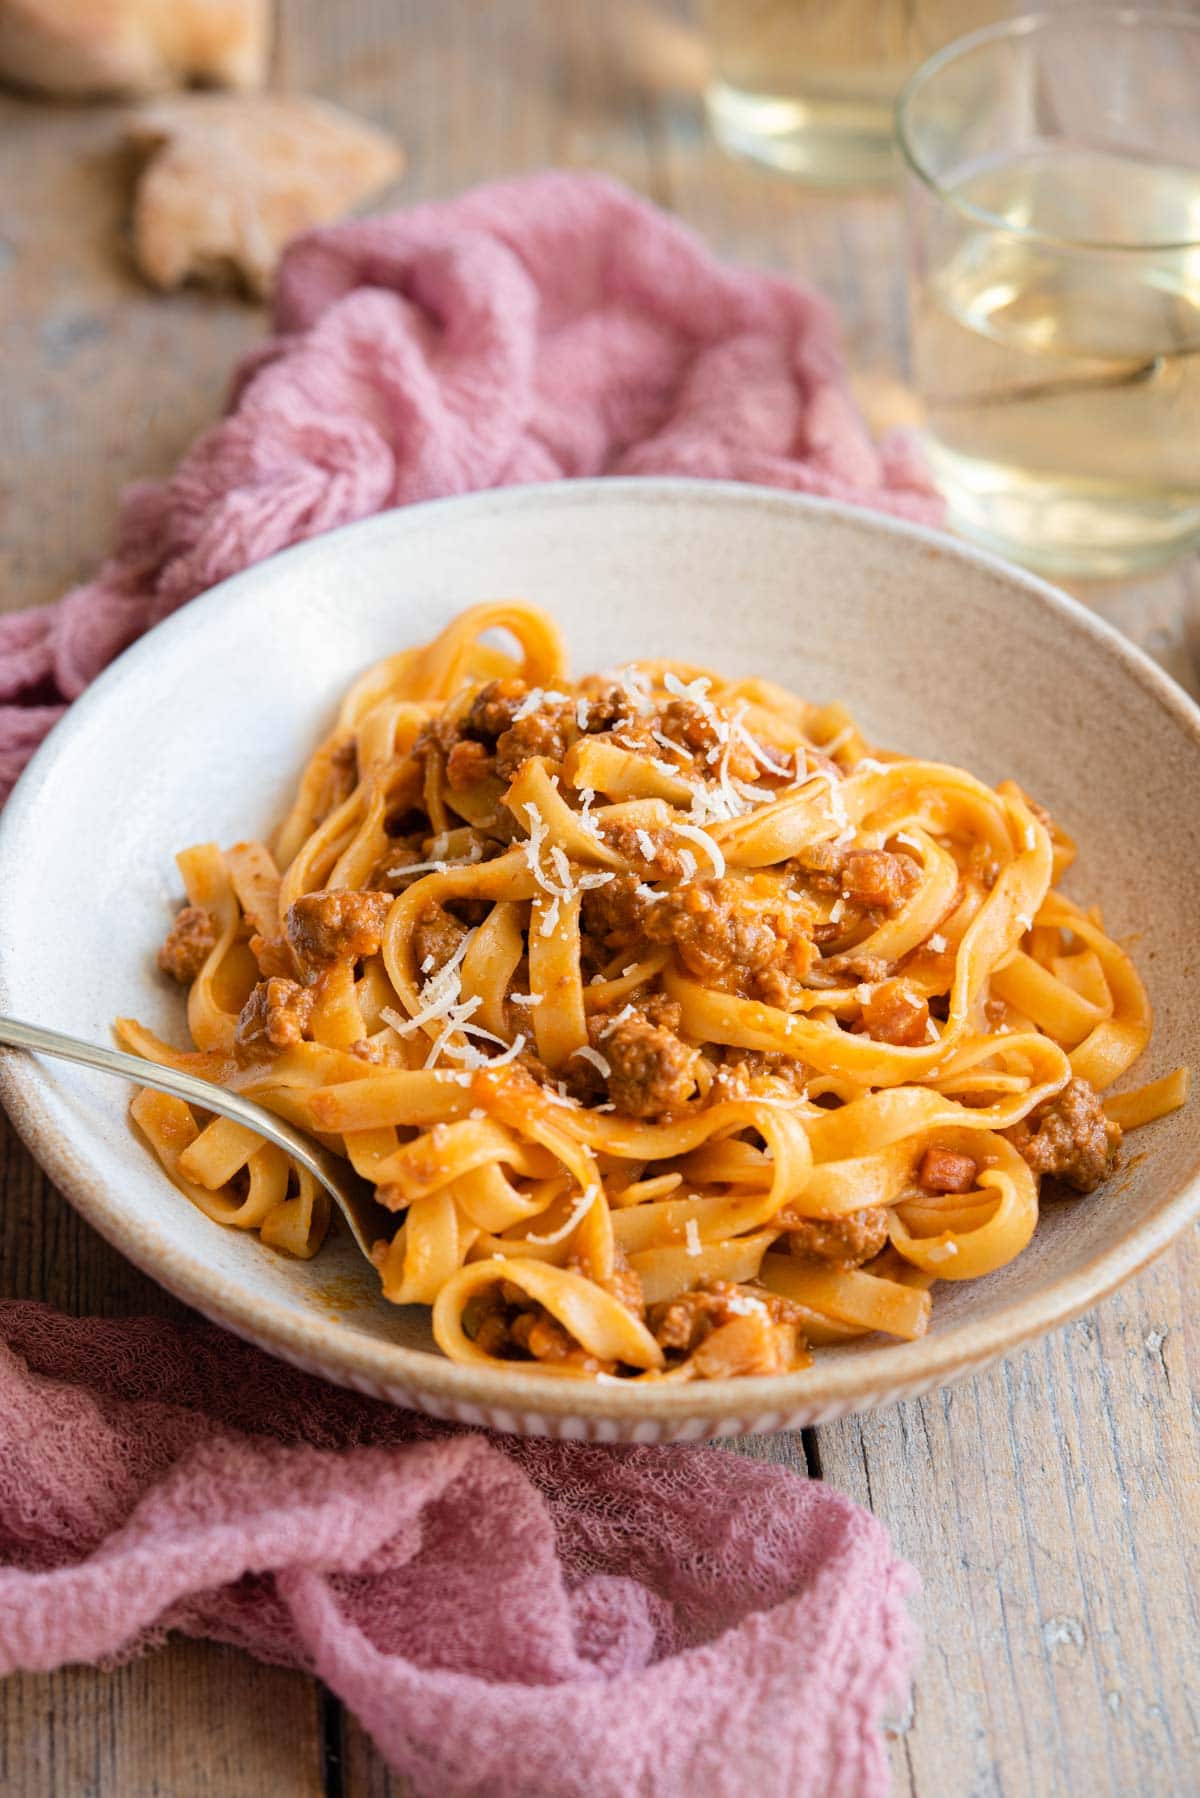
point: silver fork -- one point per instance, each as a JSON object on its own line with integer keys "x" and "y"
{"x": 353, "y": 1197}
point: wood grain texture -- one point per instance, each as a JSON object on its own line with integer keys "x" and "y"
{"x": 194, "y": 1721}
{"x": 1052, "y": 1506}
{"x": 1052, "y": 1503}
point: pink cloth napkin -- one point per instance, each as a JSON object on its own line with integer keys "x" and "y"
{"x": 532, "y": 329}
{"x": 504, "y": 1616}
{"x": 510, "y": 1617}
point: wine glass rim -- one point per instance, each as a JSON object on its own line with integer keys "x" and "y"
{"x": 1025, "y": 25}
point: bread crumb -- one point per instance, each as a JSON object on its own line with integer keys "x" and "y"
{"x": 227, "y": 181}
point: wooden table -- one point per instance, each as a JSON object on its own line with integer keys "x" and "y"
{"x": 1052, "y": 1502}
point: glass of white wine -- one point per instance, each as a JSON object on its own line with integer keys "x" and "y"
{"x": 1053, "y": 191}
{"x": 809, "y": 86}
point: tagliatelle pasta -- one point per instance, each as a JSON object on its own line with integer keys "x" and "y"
{"x": 677, "y": 1030}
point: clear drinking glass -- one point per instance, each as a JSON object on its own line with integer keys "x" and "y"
{"x": 1053, "y": 188}
{"x": 809, "y": 86}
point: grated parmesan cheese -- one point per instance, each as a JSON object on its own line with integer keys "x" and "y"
{"x": 578, "y": 1213}
{"x": 440, "y": 847}
{"x": 645, "y": 843}
{"x": 510, "y": 1054}
{"x": 696, "y": 691}
{"x": 440, "y": 994}
{"x": 549, "y": 923}
{"x": 636, "y": 683}
{"x": 756, "y": 795}
{"x": 421, "y": 868}
{"x": 692, "y": 1233}
{"x": 562, "y": 868}
{"x": 601, "y": 1064}
{"x": 526, "y": 998}
{"x": 744, "y": 1304}
{"x": 671, "y": 747}
{"x": 687, "y": 862}
{"x": 536, "y": 698}
{"x": 755, "y": 747}
{"x": 567, "y": 888}
{"x": 628, "y": 1011}
{"x": 937, "y": 942}
{"x": 581, "y": 713}
{"x": 694, "y": 834}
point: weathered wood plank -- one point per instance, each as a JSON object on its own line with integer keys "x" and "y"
{"x": 1052, "y": 1504}
{"x": 79, "y": 336}
{"x": 191, "y": 1721}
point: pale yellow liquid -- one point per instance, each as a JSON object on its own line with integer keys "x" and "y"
{"x": 809, "y": 85}
{"x": 1062, "y": 388}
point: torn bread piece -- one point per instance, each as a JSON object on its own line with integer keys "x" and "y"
{"x": 93, "y": 47}
{"x": 228, "y": 181}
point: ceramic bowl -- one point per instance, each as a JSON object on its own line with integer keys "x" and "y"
{"x": 197, "y": 733}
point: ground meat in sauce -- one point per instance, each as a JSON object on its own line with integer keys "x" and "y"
{"x": 615, "y": 914}
{"x": 609, "y": 705}
{"x": 188, "y": 945}
{"x": 845, "y": 1241}
{"x": 653, "y": 1073}
{"x": 437, "y": 937}
{"x": 629, "y": 842}
{"x": 490, "y": 713}
{"x": 944, "y": 1171}
{"x": 544, "y": 733}
{"x": 869, "y": 968}
{"x": 273, "y": 956}
{"x": 278, "y": 1011}
{"x": 336, "y": 926}
{"x": 1069, "y": 1138}
{"x": 820, "y": 864}
{"x": 683, "y": 1326}
{"x": 743, "y": 1069}
{"x": 878, "y": 878}
{"x": 896, "y": 1013}
{"x": 507, "y": 1324}
{"x": 623, "y": 1283}
{"x": 708, "y": 738}
{"x": 468, "y": 763}
{"x": 367, "y": 1050}
{"x": 727, "y": 941}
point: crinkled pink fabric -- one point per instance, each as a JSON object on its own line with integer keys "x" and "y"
{"x": 529, "y": 330}
{"x": 504, "y": 1616}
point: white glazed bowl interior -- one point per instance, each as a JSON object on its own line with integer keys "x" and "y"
{"x": 198, "y": 732}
